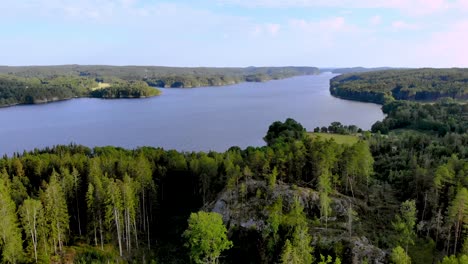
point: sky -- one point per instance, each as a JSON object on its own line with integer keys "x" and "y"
{"x": 227, "y": 33}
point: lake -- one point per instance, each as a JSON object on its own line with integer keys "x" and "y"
{"x": 208, "y": 118}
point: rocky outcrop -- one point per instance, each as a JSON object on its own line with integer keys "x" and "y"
{"x": 249, "y": 213}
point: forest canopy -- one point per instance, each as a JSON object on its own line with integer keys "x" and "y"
{"x": 34, "y": 90}
{"x": 411, "y": 84}
{"x": 300, "y": 199}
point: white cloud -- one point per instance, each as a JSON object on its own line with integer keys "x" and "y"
{"x": 273, "y": 29}
{"x": 448, "y": 48}
{"x": 375, "y": 20}
{"x": 269, "y": 29}
{"x": 412, "y": 7}
{"x": 402, "y": 25}
{"x": 334, "y": 24}
{"x": 462, "y": 4}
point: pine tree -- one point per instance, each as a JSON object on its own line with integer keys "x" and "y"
{"x": 399, "y": 256}
{"x": 458, "y": 214}
{"x": 114, "y": 210}
{"x": 288, "y": 255}
{"x": 405, "y": 223}
{"x": 130, "y": 205}
{"x": 324, "y": 189}
{"x": 56, "y": 212}
{"x": 144, "y": 180}
{"x": 95, "y": 200}
{"x": 10, "y": 233}
{"x": 298, "y": 249}
{"x": 275, "y": 215}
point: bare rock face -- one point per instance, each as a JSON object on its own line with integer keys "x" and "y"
{"x": 361, "y": 249}
{"x": 249, "y": 212}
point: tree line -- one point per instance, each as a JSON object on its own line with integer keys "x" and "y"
{"x": 22, "y": 90}
{"x": 405, "y": 84}
{"x": 441, "y": 117}
{"x": 57, "y": 197}
{"x": 134, "y": 204}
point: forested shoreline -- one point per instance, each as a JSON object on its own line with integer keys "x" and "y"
{"x": 43, "y": 84}
{"x": 410, "y": 84}
{"x": 34, "y": 90}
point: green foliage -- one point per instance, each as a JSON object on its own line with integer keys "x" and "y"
{"x": 42, "y": 84}
{"x": 32, "y": 219}
{"x": 458, "y": 214}
{"x": 131, "y": 89}
{"x": 298, "y": 248}
{"x": 10, "y": 233}
{"x": 399, "y": 256}
{"x": 56, "y": 213}
{"x": 288, "y": 131}
{"x": 414, "y": 84}
{"x": 288, "y": 255}
{"x": 206, "y": 237}
{"x": 440, "y": 118}
{"x": 405, "y": 223}
{"x": 273, "y": 222}
{"x": 328, "y": 259}
{"x": 340, "y": 139}
{"x": 272, "y": 179}
{"x": 462, "y": 259}
{"x": 138, "y": 200}
{"x": 324, "y": 187}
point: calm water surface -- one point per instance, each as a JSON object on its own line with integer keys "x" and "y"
{"x": 211, "y": 118}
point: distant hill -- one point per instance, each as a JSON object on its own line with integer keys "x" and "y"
{"x": 42, "y": 84}
{"x": 162, "y": 76}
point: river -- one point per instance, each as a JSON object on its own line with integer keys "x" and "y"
{"x": 198, "y": 119}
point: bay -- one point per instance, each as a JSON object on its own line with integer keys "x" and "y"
{"x": 198, "y": 119}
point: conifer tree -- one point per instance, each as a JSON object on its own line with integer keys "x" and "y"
{"x": 458, "y": 214}
{"x": 114, "y": 210}
{"x": 10, "y": 233}
{"x": 56, "y": 212}
{"x": 95, "y": 200}
{"x": 405, "y": 223}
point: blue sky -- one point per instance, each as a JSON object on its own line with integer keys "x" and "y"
{"x": 324, "y": 33}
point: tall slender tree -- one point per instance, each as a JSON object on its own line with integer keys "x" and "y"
{"x": 324, "y": 188}
{"x": 32, "y": 216}
{"x": 95, "y": 200}
{"x": 56, "y": 212}
{"x": 114, "y": 211}
{"x": 405, "y": 223}
{"x": 458, "y": 214}
{"x": 10, "y": 233}
{"x": 145, "y": 188}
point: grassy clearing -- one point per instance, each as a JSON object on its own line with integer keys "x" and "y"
{"x": 340, "y": 139}
{"x": 101, "y": 86}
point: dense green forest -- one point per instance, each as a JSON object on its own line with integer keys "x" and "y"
{"x": 41, "y": 84}
{"x": 299, "y": 199}
{"x": 442, "y": 117}
{"x": 413, "y": 84}
{"x": 396, "y": 194}
{"x": 34, "y": 90}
